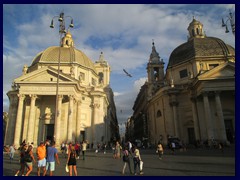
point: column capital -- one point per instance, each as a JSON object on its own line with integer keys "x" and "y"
{"x": 174, "y": 103}
{"x": 205, "y": 93}
{"x": 217, "y": 92}
{"x": 21, "y": 96}
{"x": 95, "y": 105}
{"x": 33, "y": 96}
{"x": 71, "y": 97}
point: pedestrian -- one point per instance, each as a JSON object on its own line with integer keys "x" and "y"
{"x": 29, "y": 159}
{"x": 84, "y": 148}
{"x": 77, "y": 149}
{"x": 160, "y": 150}
{"x": 118, "y": 149}
{"x": 137, "y": 160}
{"x": 23, "y": 149}
{"x": 71, "y": 161}
{"x": 126, "y": 160}
{"x": 12, "y": 150}
{"x": 173, "y": 146}
{"x": 52, "y": 156}
{"x": 41, "y": 157}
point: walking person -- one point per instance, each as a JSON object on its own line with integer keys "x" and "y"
{"x": 52, "y": 156}
{"x": 118, "y": 149}
{"x": 23, "y": 149}
{"x": 41, "y": 156}
{"x": 71, "y": 161}
{"x": 12, "y": 150}
{"x": 29, "y": 159}
{"x": 136, "y": 160}
{"x": 84, "y": 148}
{"x": 126, "y": 160}
{"x": 173, "y": 146}
{"x": 160, "y": 150}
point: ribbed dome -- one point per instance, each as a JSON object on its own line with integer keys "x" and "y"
{"x": 200, "y": 47}
{"x": 67, "y": 55}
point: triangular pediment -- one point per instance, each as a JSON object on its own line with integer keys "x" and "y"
{"x": 46, "y": 74}
{"x": 223, "y": 71}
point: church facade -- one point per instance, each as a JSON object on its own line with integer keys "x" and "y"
{"x": 195, "y": 99}
{"x": 62, "y": 96}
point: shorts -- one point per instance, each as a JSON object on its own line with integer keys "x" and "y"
{"x": 50, "y": 166}
{"x": 42, "y": 162}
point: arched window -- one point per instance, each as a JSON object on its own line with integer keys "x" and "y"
{"x": 100, "y": 79}
{"x": 159, "y": 114}
{"x": 198, "y": 31}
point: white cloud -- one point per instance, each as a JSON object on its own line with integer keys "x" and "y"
{"x": 123, "y": 32}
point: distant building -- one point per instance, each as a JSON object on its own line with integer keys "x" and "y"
{"x": 86, "y": 108}
{"x": 195, "y": 98}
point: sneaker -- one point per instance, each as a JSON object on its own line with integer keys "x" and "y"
{"x": 141, "y": 173}
{"x": 16, "y": 175}
{"x": 135, "y": 174}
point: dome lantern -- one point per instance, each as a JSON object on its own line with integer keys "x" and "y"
{"x": 195, "y": 29}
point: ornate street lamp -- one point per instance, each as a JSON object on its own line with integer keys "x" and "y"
{"x": 62, "y": 31}
{"x": 230, "y": 19}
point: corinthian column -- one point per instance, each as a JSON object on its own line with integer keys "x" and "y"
{"x": 78, "y": 124}
{"x": 31, "y": 119}
{"x": 195, "y": 119}
{"x": 70, "y": 118}
{"x": 220, "y": 116}
{"x": 18, "y": 125}
{"x": 95, "y": 106}
{"x": 9, "y": 134}
{"x": 58, "y": 121}
{"x": 207, "y": 116}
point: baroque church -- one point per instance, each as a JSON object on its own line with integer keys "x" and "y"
{"x": 195, "y": 99}
{"x": 72, "y": 103}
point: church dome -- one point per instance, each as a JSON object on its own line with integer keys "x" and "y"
{"x": 199, "y": 45}
{"x": 68, "y": 54}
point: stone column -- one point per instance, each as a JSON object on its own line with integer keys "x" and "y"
{"x": 78, "y": 124}
{"x": 18, "y": 125}
{"x": 57, "y": 128}
{"x": 9, "y": 133}
{"x": 95, "y": 107}
{"x": 208, "y": 116}
{"x": 70, "y": 118}
{"x": 31, "y": 119}
{"x": 220, "y": 117}
{"x": 195, "y": 119}
{"x": 174, "y": 104}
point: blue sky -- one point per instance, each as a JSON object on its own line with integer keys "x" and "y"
{"x": 123, "y": 32}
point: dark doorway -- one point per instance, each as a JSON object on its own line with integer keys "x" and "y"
{"x": 50, "y": 131}
{"x": 82, "y": 136}
{"x": 229, "y": 130}
{"x": 191, "y": 136}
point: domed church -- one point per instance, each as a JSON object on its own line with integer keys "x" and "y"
{"x": 195, "y": 99}
{"x": 62, "y": 96}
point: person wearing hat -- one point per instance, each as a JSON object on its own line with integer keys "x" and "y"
{"x": 41, "y": 157}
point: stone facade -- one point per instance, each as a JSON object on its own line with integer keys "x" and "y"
{"x": 83, "y": 110}
{"x": 195, "y": 99}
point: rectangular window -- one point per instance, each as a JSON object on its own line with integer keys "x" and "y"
{"x": 82, "y": 76}
{"x": 183, "y": 73}
{"x": 93, "y": 82}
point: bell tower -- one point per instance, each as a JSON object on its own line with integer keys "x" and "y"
{"x": 155, "y": 70}
{"x": 103, "y": 70}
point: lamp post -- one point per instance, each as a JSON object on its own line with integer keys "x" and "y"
{"x": 230, "y": 19}
{"x": 62, "y": 31}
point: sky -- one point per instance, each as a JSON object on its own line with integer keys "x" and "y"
{"x": 123, "y": 32}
